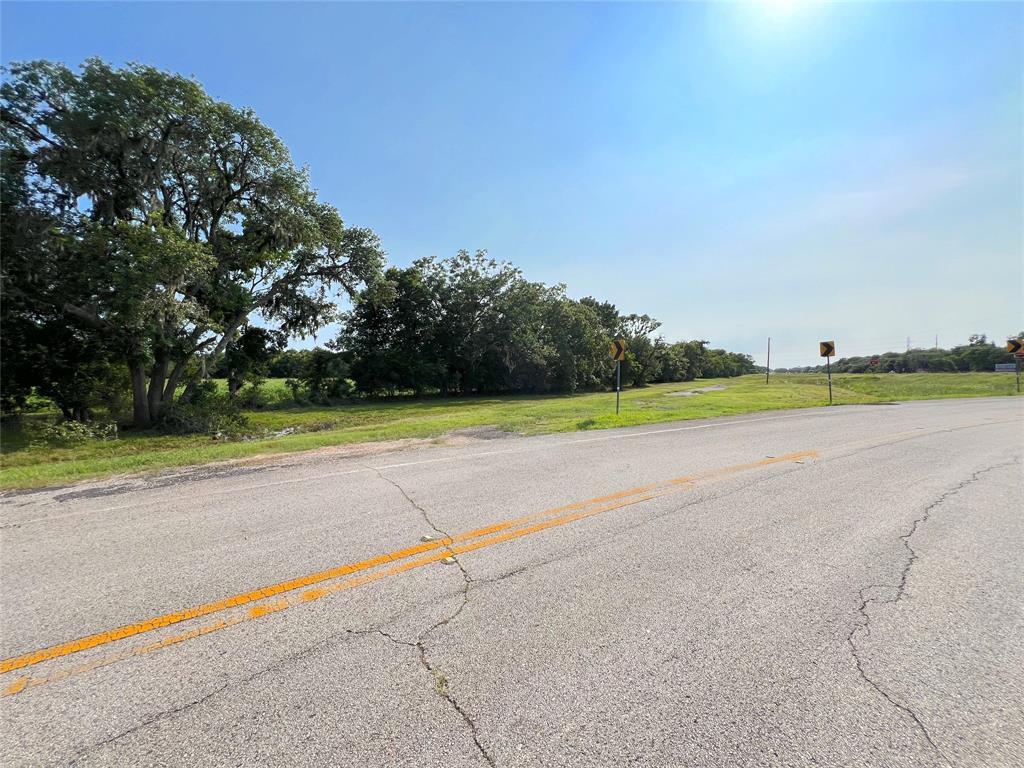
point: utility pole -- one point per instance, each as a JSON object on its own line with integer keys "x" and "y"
{"x": 908, "y": 343}
{"x": 768, "y": 361}
{"x": 936, "y": 341}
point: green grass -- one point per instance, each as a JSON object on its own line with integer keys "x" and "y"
{"x": 26, "y": 466}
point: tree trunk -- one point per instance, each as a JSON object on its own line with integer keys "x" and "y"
{"x": 193, "y": 383}
{"x": 140, "y": 399}
{"x": 229, "y": 334}
{"x": 156, "y": 389}
{"x": 171, "y": 387}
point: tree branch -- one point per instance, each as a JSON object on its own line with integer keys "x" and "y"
{"x": 87, "y": 316}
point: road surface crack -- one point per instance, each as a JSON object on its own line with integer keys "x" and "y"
{"x": 426, "y": 518}
{"x": 179, "y": 709}
{"x": 441, "y": 685}
{"x": 447, "y": 537}
{"x": 899, "y": 592}
{"x": 621, "y": 530}
{"x": 149, "y": 721}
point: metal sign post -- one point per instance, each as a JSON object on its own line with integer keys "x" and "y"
{"x": 827, "y": 349}
{"x": 768, "y": 362}
{"x": 618, "y": 383}
{"x": 1016, "y": 348}
{"x": 828, "y": 367}
{"x": 618, "y": 354}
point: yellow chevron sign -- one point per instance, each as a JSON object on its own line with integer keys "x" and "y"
{"x": 619, "y": 350}
{"x": 827, "y": 348}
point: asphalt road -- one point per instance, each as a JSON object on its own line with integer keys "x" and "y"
{"x": 830, "y": 587}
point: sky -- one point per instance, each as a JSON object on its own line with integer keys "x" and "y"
{"x": 799, "y": 170}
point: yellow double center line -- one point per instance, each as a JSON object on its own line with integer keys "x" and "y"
{"x": 469, "y": 541}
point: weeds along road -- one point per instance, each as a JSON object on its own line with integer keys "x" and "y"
{"x": 832, "y": 587}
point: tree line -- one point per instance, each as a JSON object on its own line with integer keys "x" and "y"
{"x": 153, "y": 237}
{"x": 469, "y": 324}
{"x": 978, "y": 354}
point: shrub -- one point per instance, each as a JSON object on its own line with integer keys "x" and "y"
{"x": 326, "y": 376}
{"x": 296, "y": 388}
{"x": 253, "y": 396}
{"x": 73, "y": 433}
{"x": 208, "y": 412}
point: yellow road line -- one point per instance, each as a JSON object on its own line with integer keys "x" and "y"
{"x": 506, "y": 531}
{"x": 169, "y": 619}
{"x": 256, "y": 612}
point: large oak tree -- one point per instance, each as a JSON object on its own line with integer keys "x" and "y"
{"x": 170, "y": 219}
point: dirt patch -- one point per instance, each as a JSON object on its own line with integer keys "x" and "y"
{"x": 124, "y": 483}
{"x": 457, "y": 437}
{"x": 348, "y": 450}
{"x": 475, "y": 434}
{"x": 699, "y": 390}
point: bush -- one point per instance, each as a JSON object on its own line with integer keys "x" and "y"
{"x": 252, "y": 396}
{"x": 326, "y": 376}
{"x": 296, "y": 388}
{"x": 73, "y": 433}
{"x": 208, "y": 412}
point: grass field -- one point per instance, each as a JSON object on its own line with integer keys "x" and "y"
{"x": 26, "y": 466}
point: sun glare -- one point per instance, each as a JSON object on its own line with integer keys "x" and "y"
{"x": 782, "y": 8}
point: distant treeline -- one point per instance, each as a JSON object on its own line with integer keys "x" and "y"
{"x": 470, "y": 324}
{"x": 978, "y": 354}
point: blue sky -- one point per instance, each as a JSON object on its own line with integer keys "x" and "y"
{"x": 799, "y": 170}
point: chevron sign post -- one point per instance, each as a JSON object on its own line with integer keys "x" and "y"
{"x": 827, "y": 349}
{"x": 618, "y": 354}
{"x": 1016, "y": 348}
